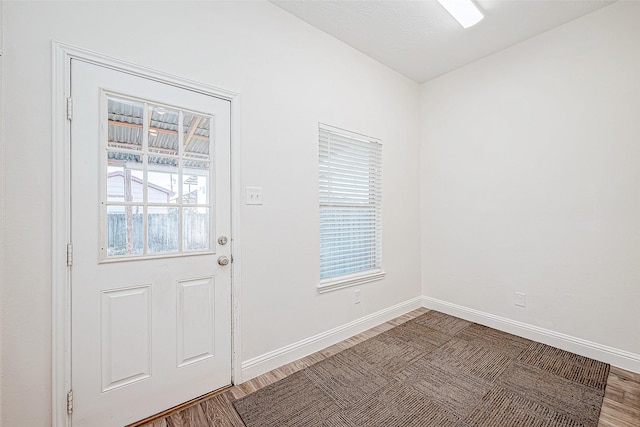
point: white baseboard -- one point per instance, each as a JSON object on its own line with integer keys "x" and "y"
{"x": 274, "y": 359}
{"x": 251, "y": 368}
{"x": 611, "y": 355}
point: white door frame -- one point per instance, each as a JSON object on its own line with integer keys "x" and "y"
{"x": 62, "y": 54}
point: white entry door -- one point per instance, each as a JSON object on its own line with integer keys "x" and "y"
{"x": 150, "y": 224}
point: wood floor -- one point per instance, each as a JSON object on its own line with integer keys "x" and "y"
{"x": 621, "y": 406}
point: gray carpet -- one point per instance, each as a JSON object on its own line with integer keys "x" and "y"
{"x": 436, "y": 370}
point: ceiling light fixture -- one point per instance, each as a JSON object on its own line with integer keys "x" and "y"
{"x": 464, "y": 11}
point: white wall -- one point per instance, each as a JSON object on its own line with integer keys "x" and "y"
{"x": 1, "y": 194}
{"x": 290, "y": 77}
{"x": 531, "y": 181}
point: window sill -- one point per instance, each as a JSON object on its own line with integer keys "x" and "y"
{"x": 335, "y": 283}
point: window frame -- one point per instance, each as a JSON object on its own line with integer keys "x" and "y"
{"x": 145, "y": 151}
{"x": 374, "y": 191}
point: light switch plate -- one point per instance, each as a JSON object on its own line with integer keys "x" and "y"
{"x": 254, "y": 196}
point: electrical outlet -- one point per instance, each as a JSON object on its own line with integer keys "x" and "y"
{"x": 356, "y": 296}
{"x": 254, "y": 196}
{"x": 520, "y": 299}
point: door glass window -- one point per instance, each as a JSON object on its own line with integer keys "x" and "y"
{"x": 157, "y": 181}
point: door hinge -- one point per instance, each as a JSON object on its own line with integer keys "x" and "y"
{"x": 69, "y": 108}
{"x": 69, "y": 254}
{"x": 70, "y": 402}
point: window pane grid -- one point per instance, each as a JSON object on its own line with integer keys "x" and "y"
{"x": 158, "y": 181}
{"x": 350, "y": 190}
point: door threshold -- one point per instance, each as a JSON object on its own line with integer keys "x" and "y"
{"x": 166, "y": 412}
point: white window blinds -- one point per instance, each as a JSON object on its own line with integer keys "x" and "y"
{"x": 350, "y": 203}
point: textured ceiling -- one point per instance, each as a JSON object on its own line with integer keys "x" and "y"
{"x": 421, "y": 40}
